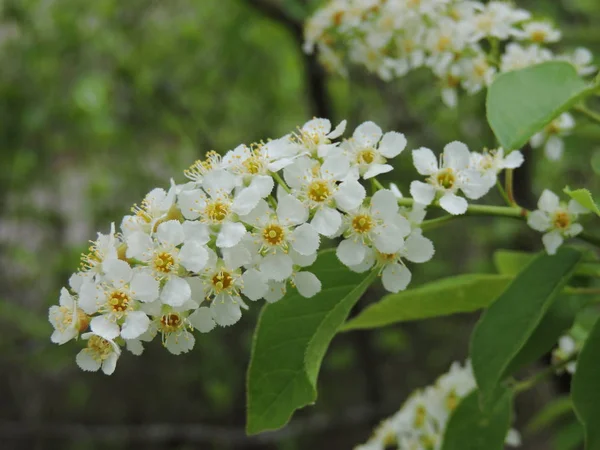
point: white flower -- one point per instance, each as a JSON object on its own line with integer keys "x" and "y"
{"x": 377, "y": 225}
{"x": 100, "y": 353}
{"x": 539, "y": 33}
{"x": 491, "y": 162}
{"x": 582, "y": 59}
{"x": 551, "y": 136}
{"x": 556, "y": 220}
{"x": 67, "y": 319}
{"x": 451, "y": 176}
{"x": 567, "y": 347}
{"x": 175, "y": 328}
{"x": 477, "y": 73}
{"x": 166, "y": 261}
{"x": 496, "y": 19}
{"x": 368, "y": 149}
{"x": 317, "y": 187}
{"x": 518, "y": 57}
{"x": 104, "y": 248}
{"x": 156, "y": 206}
{"x": 315, "y": 137}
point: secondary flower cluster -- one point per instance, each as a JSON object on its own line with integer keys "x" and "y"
{"x": 464, "y": 43}
{"x": 421, "y": 421}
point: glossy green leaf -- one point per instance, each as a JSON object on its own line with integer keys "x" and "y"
{"x": 556, "y": 409}
{"x": 460, "y": 294}
{"x": 522, "y": 102}
{"x": 569, "y": 437}
{"x": 470, "y": 428}
{"x": 511, "y": 262}
{"x": 504, "y": 329}
{"x": 584, "y": 198}
{"x": 290, "y": 340}
{"x": 585, "y": 390}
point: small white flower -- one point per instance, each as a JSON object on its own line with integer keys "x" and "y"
{"x": 567, "y": 347}
{"x": 104, "y": 248}
{"x": 67, "y": 319}
{"x": 551, "y": 136}
{"x": 582, "y": 59}
{"x": 315, "y": 137}
{"x": 100, "y": 353}
{"x": 518, "y": 57}
{"x": 539, "y": 33}
{"x": 556, "y": 220}
{"x": 447, "y": 179}
{"x": 155, "y": 206}
{"x": 491, "y": 162}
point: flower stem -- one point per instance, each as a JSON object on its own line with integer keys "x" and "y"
{"x": 434, "y": 223}
{"x": 527, "y": 384}
{"x": 503, "y": 193}
{"x": 377, "y": 183}
{"x": 280, "y": 181}
{"x": 508, "y": 182}
{"x": 592, "y": 115}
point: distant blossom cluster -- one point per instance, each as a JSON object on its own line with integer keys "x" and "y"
{"x": 421, "y": 421}
{"x": 464, "y": 43}
{"x": 247, "y": 226}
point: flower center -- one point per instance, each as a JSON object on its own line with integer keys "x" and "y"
{"x": 538, "y": 36}
{"x": 362, "y": 223}
{"x": 446, "y": 178}
{"x": 273, "y": 234}
{"x": 443, "y": 43}
{"x": 420, "y": 415}
{"x": 170, "y": 322}
{"x": 451, "y": 400}
{"x": 561, "y": 220}
{"x": 318, "y": 191}
{"x": 66, "y": 319}
{"x": 366, "y": 156}
{"x": 253, "y": 165}
{"x": 164, "y": 262}
{"x": 387, "y": 258}
{"x": 221, "y": 281}
{"x": 118, "y": 301}
{"x": 217, "y": 211}
{"x": 99, "y": 348}
{"x": 553, "y": 128}
{"x": 200, "y": 167}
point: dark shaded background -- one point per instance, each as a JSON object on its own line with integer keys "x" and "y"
{"x": 102, "y": 101}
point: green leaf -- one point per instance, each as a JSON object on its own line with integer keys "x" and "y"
{"x": 504, "y": 329}
{"x": 584, "y": 198}
{"x": 290, "y": 340}
{"x": 470, "y": 428}
{"x": 585, "y": 390}
{"x": 520, "y": 103}
{"x": 463, "y": 293}
{"x": 510, "y": 262}
{"x": 569, "y": 437}
{"x": 554, "y": 410}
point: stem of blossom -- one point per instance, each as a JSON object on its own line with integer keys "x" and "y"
{"x": 508, "y": 182}
{"x": 503, "y": 193}
{"x": 592, "y": 115}
{"x": 377, "y": 184}
{"x": 525, "y": 385}
{"x": 434, "y": 223}
{"x": 280, "y": 181}
{"x": 581, "y": 291}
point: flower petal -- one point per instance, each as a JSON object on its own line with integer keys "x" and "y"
{"x": 552, "y": 241}
{"x": 193, "y": 256}
{"x": 456, "y": 155}
{"x": 549, "y": 201}
{"x": 418, "y": 248}
{"x": 327, "y": 221}
{"x": 392, "y": 144}
{"x": 196, "y": 231}
{"x": 538, "y": 220}
{"x": 423, "y": 193}
{"x": 424, "y": 161}
{"x": 290, "y": 210}
{"x": 175, "y": 292}
{"x": 231, "y": 234}
{"x": 453, "y": 204}
{"x": 255, "y": 286}
{"x": 395, "y": 277}
{"x": 349, "y": 195}
{"x": 351, "y": 253}
{"x": 135, "y": 325}
{"x": 144, "y": 287}
{"x": 202, "y": 320}
{"x": 276, "y": 267}
{"x": 85, "y": 361}
{"x": 305, "y": 239}
{"x": 170, "y": 232}
{"x": 104, "y": 327}
{"x": 384, "y": 204}
{"x": 377, "y": 169}
{"x": 308, "y": 284}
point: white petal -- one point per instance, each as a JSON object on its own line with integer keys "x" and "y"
{"x": 548, "y": 201}
{"x": 202, "y": 320}
{"x": 575, "y": 207}
{"x": 474, "y": 184}
{"x": 139, "y": 246}
{"x": 191, "y": 203}
{"x": 318, "y": 126}
{"x": 290, "y": 210}
{"x": 246, "y": 200}
{"x": 175, "y": 292}
{"x": 86, "y": 362}
{"x": 425, "y": 161}
{"x": 377, "y": 169}
{"x": 144, "y": 287}
{"x": 117, "y": 272}
{"x": 392, "y": 144}
{"x": 170, "y": 232}
{"x": 197, "y": 289}
{"x": 537, "y": 139}
{"x": 110, "y": 363}
{"x": 349, "y": 195}
{"x": 180, "y": 343}
{"x": 276, "y": 267}
{"x": 513, "y": 160}
{"x": 395, "y": 190}
{"x": 263, "y": 184}
{"x": 418, "y": 249}
{"x": 367, "y": 134}
{"x": 259, "y": 215}
{"x": 237, "y": 256}
{"x": 552, "y": 241}
{"x": 135, "y": 325}
{"x": 135, "y": 346}
{"x": 538, "y": 220}
{"x": 367, "y": 262}
{"x": 62, "y": 337}
{"x": 453, "y": 204}
{"x": 387, "y": 238}
{"x": 336, "y": 167}
{"x": 308, "y": 284}
{"x": 351, "y": 253}
{"x": 91, "y": 297}
{"x": 305, "y": 239}
{"x": 302, "y": 260}
{"x": 327, "y": 221}
{"x": 276, "y": 291}
{"x": 231, "y": 234}
{"x": 574, "y": 230}
{"x": 225, "y": 311}
{"x": 219, "y": 181}
{"x": 338, "y": 131}
{"x": 423, "y": 193}
{"x": 193, "y": 256}
{"x": 554, "y": 148}
{"x": 66, "y": 299}
{"x": 196, "y": 231}
{"x": 384, "y": 204}
{"x": 255, "y": 286}
{"x": 103, "y": 327}
{"x": 395, "y": 277}
{"x": 456, "y": 155}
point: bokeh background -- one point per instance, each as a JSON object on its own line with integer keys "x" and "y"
{"x": 102, "y": 100}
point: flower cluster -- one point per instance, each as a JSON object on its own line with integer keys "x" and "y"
{"x": 421, "y": 421}
{"x": 464, "y": 43}
{"x": 556, "y": 219}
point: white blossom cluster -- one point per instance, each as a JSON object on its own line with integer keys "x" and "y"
{"x": 464, "y": 43}
{"x": 421, "y": 421}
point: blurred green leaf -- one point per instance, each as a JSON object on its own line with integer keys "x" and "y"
{"x": 520, "y": 103}
{"x": 555, "y": 409}
{"x": 584, "y": 198}
{"x": 463, "y": 293}
{"x": 511, "y": 262}
{"x": 290, "y": 340}
{"x": 569, "y": 437}
{"x": 470, "y": 428}
{"x": 504, "y": 329}
{"x": 585, "y": 390}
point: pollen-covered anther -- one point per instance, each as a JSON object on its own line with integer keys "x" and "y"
{"x": 98, "y": 348}
{"x": 561, "y": 220}
{"x": 446, "y": 178}
{"x": 366, "y": 156}
{"x": 319, "y": 191}
{"x": 164, "y": 262}
{"x": 273, "y": 234}
{"x": 217, "y": 211}
{"x": 362, "y": 223}
{"x": 170, "y": 322}
{"x": 221, "y": 281}
{"x": 119, "y": 301}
